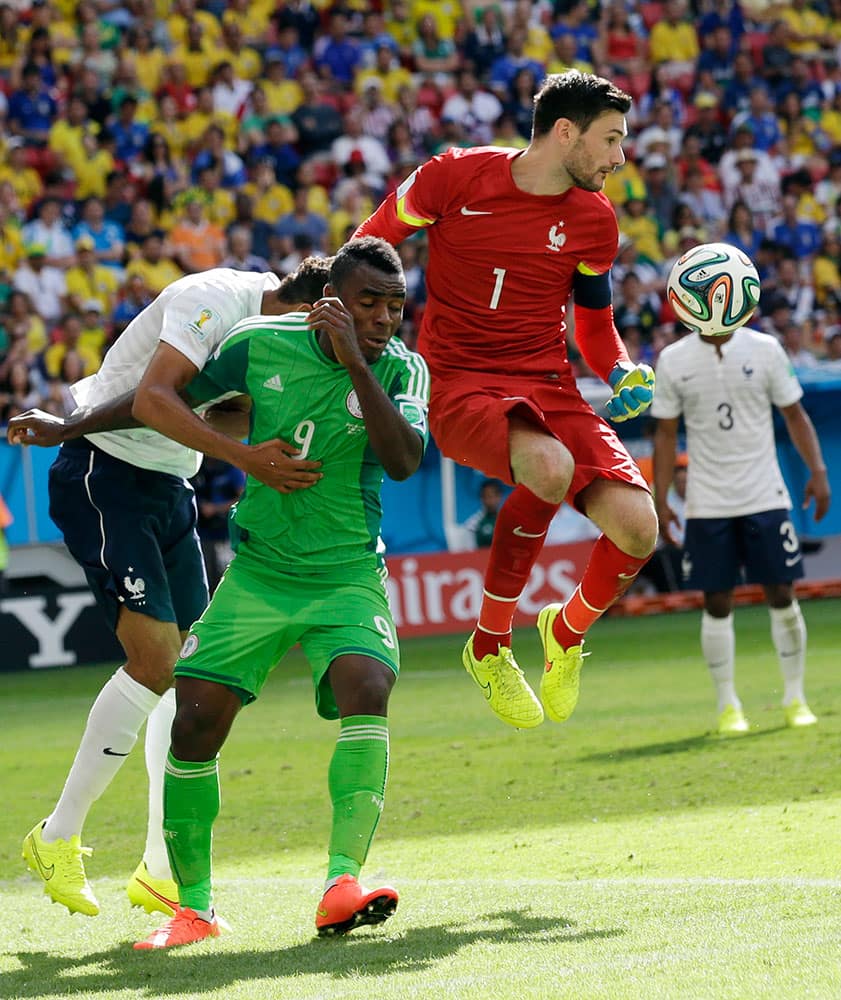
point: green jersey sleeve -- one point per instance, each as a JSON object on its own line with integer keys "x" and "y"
{"x": 225, "y": 372}
{"x": 408, "y": 387}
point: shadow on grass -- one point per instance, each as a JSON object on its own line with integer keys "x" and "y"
{"x": 370, "y": 953}
{"x": 704, "y": 741}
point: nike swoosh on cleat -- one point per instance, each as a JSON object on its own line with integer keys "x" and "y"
{"x": 157, "y": 895}
{"x": 322, "y": 913}
{"x": 47, "y": 871}
{"x": 113, "y": 753}
{"x": 468, "y": 211}
{"x": 527, "y": 534}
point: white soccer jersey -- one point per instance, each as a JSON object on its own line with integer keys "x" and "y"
{"x": 193, "y": 315}
{"x": 726, "y": 404}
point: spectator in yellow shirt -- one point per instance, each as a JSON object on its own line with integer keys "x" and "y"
{"x": 674, "y": 39}
{"x": 196, "y": 54}
{"x": 94, "y": 329}
{"x": 218, "y": 201}
{"x": 11, "y": 243}
{"x": 283, "y": 96}
{"x": 69, "y": 337}
{"x": 87, "y": 280}
{"x": 67, "y": 135}
{"x": 26, "y": 182}
{"x": 196, "y": 123}
{"x": 245, "y": 60}
{"x": 22, "y": 321}
{"x": 92, "y": 171}
{"x": 269, "y": 199}
{"x": 147, "y": 58}
{"x": 400, "y": 24}
{"x": 252, "y": 16}
{"x": 640, "y": 225}
{"x": 387, "y": 71}
{"x": 186, "y": 12}
{"x": 447, "y": 14}
{"x": 809, "y": 28}
{"x": 153, "y": 267}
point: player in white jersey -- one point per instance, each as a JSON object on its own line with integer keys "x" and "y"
{"x": 120, "y": 497}
{"x": 738, "y": 522}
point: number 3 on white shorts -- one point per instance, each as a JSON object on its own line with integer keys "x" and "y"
{"x": 383, "y": 626}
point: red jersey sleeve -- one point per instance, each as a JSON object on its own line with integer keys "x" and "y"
{"x": 415, "y": 205}
{"x": 598, "y": 339}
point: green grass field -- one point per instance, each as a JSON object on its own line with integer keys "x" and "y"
{"x": 625, "y": 854}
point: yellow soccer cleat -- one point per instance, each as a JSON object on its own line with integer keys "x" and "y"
{"x": 60, "y": 866}
{"x": 560, "y": 680}
{"x": 152, "y": 894}
{"x": 798, "y": 715}
{"x": 732, "y": 722}
{"x": 505, "y": 688}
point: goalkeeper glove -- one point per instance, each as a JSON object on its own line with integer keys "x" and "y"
{"x": 633, "y": 390}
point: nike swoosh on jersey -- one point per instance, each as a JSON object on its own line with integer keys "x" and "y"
{"x": 527, "y": 534}
{"x": 794, "y": 560}
{"x": 469, "y": 211}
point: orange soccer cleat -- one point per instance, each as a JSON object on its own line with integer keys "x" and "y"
{"x": 346, "y": 905}
{"x": 186, "y": 927}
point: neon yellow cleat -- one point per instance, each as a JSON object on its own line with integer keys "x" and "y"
{"x": 152, "y": 894}
{"x": 60, "y": 866}
{"x": 732, "y": 722}
{"x": 560, "y": 680}
{"x": 505, "y": 688}
{"x": 798, "y": 715}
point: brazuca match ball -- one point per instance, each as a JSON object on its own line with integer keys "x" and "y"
{"x": 714, "y": 289}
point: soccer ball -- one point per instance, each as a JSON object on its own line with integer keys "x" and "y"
{"x": 714, "y": 289}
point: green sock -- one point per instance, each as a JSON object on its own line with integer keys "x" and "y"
{"x": 356, "y": 779}
{"x": 191, "y": 804}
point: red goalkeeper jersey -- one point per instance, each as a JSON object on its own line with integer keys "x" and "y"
{"x": 501, "y": 261}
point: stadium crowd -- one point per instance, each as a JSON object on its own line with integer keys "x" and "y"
{"x": 141, "y": 140}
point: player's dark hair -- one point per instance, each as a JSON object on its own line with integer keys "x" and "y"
{"x": 306, "y": 283}
{"x": 580, "y": 97}
{"x": 369, "y": 250}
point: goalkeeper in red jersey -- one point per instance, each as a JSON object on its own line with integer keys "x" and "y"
{"x": 512, "y": 235}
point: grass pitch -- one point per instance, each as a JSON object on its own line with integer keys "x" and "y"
{"x": 625, "y": 854}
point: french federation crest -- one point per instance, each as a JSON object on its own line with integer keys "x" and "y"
{"x": 352, "y": 404}
{"x": 557, "y": 238}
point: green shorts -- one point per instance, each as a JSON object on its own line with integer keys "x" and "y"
{"x": 257, "y": 614}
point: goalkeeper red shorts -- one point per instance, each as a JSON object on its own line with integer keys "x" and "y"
{"x": 469, "y": 414}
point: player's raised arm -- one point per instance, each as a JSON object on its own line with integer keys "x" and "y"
{"x": 408, "y": 209}
{"x": 158, "y": 405}
{"x": 355, "y": 326}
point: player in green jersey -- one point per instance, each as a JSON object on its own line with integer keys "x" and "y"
{"x": 350, "y": 394}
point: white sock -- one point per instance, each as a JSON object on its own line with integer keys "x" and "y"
{"x": 788, "y": 630}
{"x": 113, "y": 724}
{"x": 158, "y": 736}
{"x": 718, "y": 644}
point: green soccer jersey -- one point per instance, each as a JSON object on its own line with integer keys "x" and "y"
{"x": 303, "y": 397}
